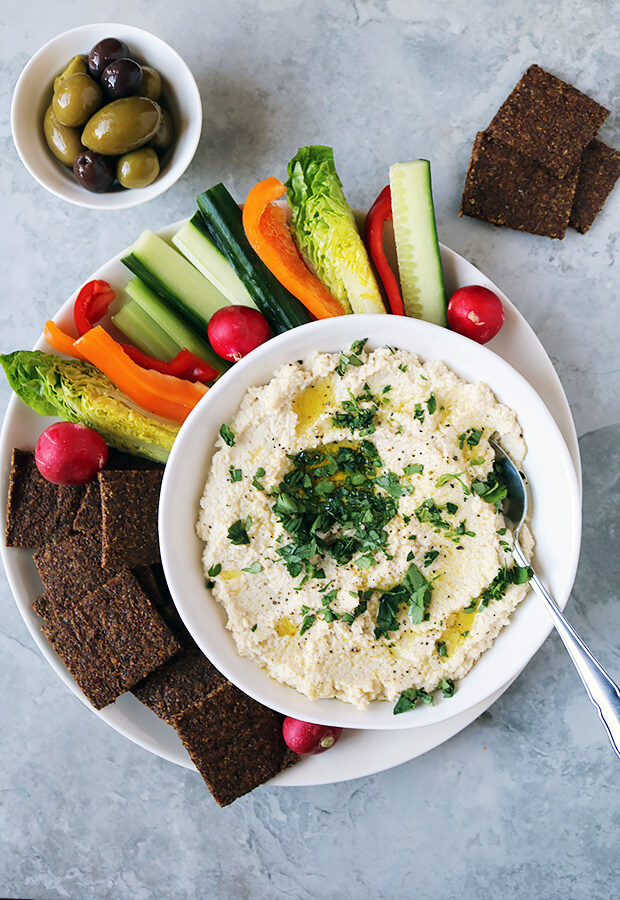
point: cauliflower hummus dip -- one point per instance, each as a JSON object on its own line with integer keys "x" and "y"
{"x": 353, "y": 528}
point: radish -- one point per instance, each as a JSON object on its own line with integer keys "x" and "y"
{"x": 236, "y": 330}
{"x": 308, "y": 739}
{"x": 475, "y": 312}
{"x": 67, "y": 453}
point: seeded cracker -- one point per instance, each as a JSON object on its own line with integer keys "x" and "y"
{"x": 548, "y": 121}
{"x": 598, "y": 173}
{"x": 38, "y": 511}
{"x": 235, "y": 743}
{"x": 88, "y": 516}
{"x": 109, "y": 639}
{"x": 176, "y": 686}
{"x": 71, "y": 568}
{"x": 129, "y": 504}
{"x": 506, "y": 188}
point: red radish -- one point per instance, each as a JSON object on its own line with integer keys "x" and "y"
{"x": 70, "y": 454}
{"x": 308, "y": 739}
{"x": 475, "y": 312}
{"x": 235, "y": 330}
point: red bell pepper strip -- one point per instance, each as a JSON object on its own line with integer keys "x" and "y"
{"x": 378, "y": 214}
{"x": 92, "y": 304}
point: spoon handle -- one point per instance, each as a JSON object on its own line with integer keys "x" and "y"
{"x": 602, "y": 691}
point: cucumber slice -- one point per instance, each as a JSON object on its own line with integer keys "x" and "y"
{"x": 145, "y": 333}
{"x": 174, "y": 278}
{"x": 417, "y": 248}
{"x": 199, "y": 249}
{"x": 171, "y": 323}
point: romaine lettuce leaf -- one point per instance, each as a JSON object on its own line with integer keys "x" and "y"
{"x": 325, "y": 231}
{"x": 76, "y": 391}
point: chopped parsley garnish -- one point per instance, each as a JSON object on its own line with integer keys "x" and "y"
{"x": 442, "y": 648}
{"x": 329, "y": 504}
{"x": 235, "y": 474}
{"x": 414, "y": 592}
{"x": 352, "y": 359}
{"x": 493, "y": 490}
{"x": 402, "y": 367}
{"x": 238, "y": 531}
{"x": 358, "y": 417}
{"x": 392, "y": 485}
{"x": 307, "y": 623}
{"x": 228, "y": 436}
{"x": 472, "y": 437}
{"x": 453, "y": 476}
{"x": 447, "y": 687}
{"x": 431, "y": 404}
{"x": 260, "y": 472}
{"x": 431, "y": 513}
{"x": 253, "y": 628}
{"x": 253, "y": 569}
{"x": 430, "y": 556}
{"x": 451, "y": 508}
{"x": 478, "y": 461}
{"x": 502, "y": 581}
{"x": 418, "y": 413}
{"x": 414, "y": 469}
{"x": 214, "y": 571}
{"x": 359, "y": 610}
{"x": 410, "y": 698}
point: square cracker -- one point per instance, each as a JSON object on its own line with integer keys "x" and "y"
{"x": 129, "y": 505}
{"x": 548, "y": 121}
{"x": 598, "y": 172}
{"x": 38, "y": 511}
{"x": 235, "y": 742}
{"x": 176, "y": 686}
{"x": 109, "y": 639}
{"x": 506, "y": 188}
{"x": 72, "y": 567}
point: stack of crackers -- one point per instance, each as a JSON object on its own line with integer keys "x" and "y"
{"x": 539, "y": 167}
{"x": 108, "y": 614}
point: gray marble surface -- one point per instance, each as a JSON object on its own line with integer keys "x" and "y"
{"x": 524, "y": 802}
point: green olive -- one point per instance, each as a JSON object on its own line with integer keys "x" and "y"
{"x": 151, "y": 83}
{"x": 64, "y": 142}
{"x": 77, "y": 64}
{"x": 165, "y": 133}
{"x": 138, "y": 168}
{"x": 122, "y": 126}
{"x": 77, "y": 98}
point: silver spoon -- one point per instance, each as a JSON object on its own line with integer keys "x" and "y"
{"x": 602, "y": 691}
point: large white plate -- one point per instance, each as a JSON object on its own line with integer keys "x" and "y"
{"x": 366, "y": 751}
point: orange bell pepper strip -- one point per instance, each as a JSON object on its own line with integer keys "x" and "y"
{"x": 265, "y": 227}
{"x": 163, "y": 395}
{"x": 60, "y": 340}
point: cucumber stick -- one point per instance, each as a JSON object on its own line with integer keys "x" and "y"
{"x": 144, "y": 332}
{"x": 145, "y": 309}
{"x": 417, "y": 248}
{"x": 175, "y": 279}
{"x": 222, "y": 218}
{"x": 196, "y": 246}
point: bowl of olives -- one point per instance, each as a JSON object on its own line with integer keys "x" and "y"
{"x": 106, "y": 116}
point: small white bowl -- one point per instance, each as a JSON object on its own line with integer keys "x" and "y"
{"x": 556, "y": 517}
{"x": 33, "y": 93}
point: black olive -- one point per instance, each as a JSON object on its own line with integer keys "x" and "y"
{"x": 121, "y": 78}
{"x": 104, "y": 53}
{"x": 94, "y": 172}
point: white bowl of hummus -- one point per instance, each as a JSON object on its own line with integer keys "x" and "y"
{"x": 331, "y": 525}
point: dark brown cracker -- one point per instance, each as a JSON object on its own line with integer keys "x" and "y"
{"x": 154, "y": 585}
{"x": 506, "y": 188}
{"x": 129, "y": 505}
{"x": 72, "y": 567}
{"x": 598, "y": 172}
{"x": 235, "y": 743}
{"x": 88, "y": 516}
{"x": 38, "y": 511}
{"x": 109, "y": 639}
{"x": 179, "y": 684}
{"x": 548, "y": 121}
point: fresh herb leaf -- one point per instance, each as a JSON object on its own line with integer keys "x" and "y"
{"x": 355, "y": 416}
{"x": 477, "y": 461}
{"x": 260, "y": 473}
{"x": 500, "y": 584}
{"x": 406, "y": 702}
{"x": 447, "y": 687}
{"x": 307, "y": 623}
{"x": 426, "y": 698}
{"x": 414, "y": 469}
{"x": 453, "y": 476}
{"x": 414, "y": 593}
{"x": 352, "y": 359}
{"x": 442, "y": 648}
{"x": 235, "y": 474}
{"x": 253, "y": 628}
{"x": 253, "y": 569}
{"x": 431, "y": 404}
{"x": 418, "y": 413}
{"x": 228, "y": 436}
{"x": 430, "y": 557}
{"x": 472, "y": 436}
{"x": 390, "y": 482}
{"x": 215, "y": 570}
{"x": 238, "y": 532}
{"x": 493, "y": 490}
{"x": 451, "y": 508}
{"x": 402, "y": 367}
